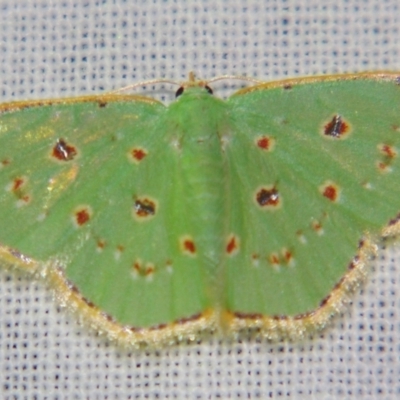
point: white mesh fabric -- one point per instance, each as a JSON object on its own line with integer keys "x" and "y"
{"x": 69, "y": 48}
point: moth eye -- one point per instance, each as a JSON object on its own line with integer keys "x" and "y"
{"x": 179, "y": 91}
{"x": 209, "y": 90}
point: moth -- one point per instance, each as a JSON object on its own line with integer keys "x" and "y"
{"x": 159, "y": 223}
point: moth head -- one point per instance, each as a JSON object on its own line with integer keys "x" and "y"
{"x": 193, "y": 82}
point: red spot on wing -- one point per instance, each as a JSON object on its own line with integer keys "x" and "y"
{"x": 17, "y": 184}
{"x": 285, "y": 258}
{"x": 82, "y": 216}
{"x": 330, "y": 190}
{"x": 317, "y": 226}
{"x": 396, "y": 127}
{"x": 388, "y": 151}
{"x": 17, "y": 188}
{"x": 336, "y": 128}
{"x": 149, "y": 270}
{"x": 384, "y": 167}
{"x": 232, "y": 245}
{"x": 189, "y": 246}
{"x": 389, "y": 154}
{"x": 274, "y": 259}
{"x": 138, "y": 154}
{"x": 268, "y": 197}
{"x": 137, "y": 267}
{"x": 265, "y": 143}
{"x": 144, "y": 207}
{"x": 25, "y": 199}
{"x": 288, "y": 256}
{"x": 63, "y": 151}
{"x": 330, "y": 193}
{"x": 101, "y": 244}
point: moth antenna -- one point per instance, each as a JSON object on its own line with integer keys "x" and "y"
{"x": 144, "y": 83}
{"x": 235, "y": 77}
{"x": 192, "y": 81}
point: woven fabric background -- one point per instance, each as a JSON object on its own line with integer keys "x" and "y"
{"x": 73, "y": 47}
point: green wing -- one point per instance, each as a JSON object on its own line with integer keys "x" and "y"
{"x": 83, "y": 188}
{"x": 314, "y": 169}
{"x": 159, "y": 222}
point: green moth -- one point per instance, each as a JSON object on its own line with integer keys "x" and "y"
{"x": 157, "y": 223}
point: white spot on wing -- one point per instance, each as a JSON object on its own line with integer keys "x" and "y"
{"x": 20, "y": 203}
{"x": 225, "y": 140}
{"x": 302, "y": 238}
{"x": 255, "y": 260}
{"x": 41, "y": 217}
{"x": 176, "y": 144}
